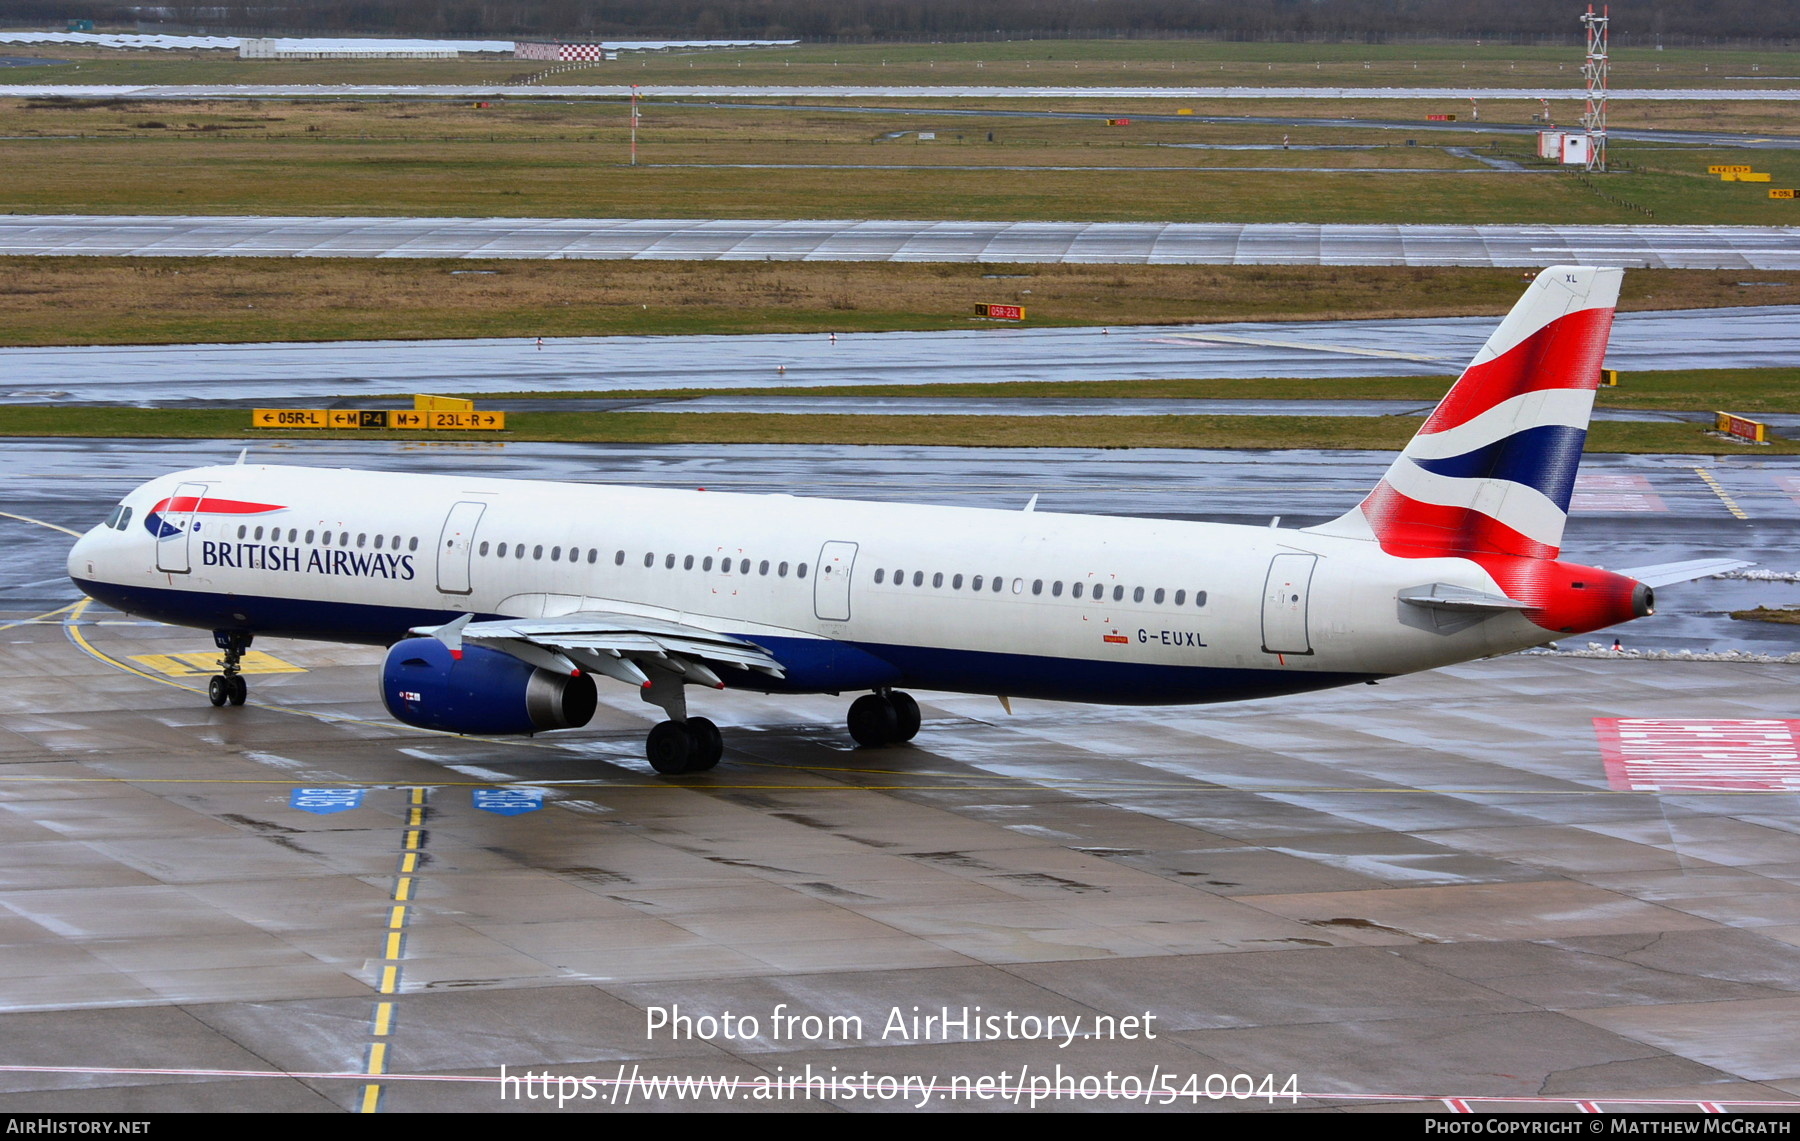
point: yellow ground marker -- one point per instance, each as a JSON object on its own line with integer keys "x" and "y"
{"x": 1718, "y": 489}
{"x": 207, "y": 662}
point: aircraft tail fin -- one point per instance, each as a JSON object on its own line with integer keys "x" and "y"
{"x": 1492, "y": 469}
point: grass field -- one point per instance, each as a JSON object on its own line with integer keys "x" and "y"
{"x": 1252, "y": 432}
{"x": 1017, "y": 62}
{"x": 79, "y": 300}
{"x": 558, "y": 159}
{"x": 1743, "y": 390}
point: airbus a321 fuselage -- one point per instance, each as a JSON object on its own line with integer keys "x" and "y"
{"x": 504, "y": 601}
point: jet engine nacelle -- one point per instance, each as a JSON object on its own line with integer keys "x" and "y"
{"x": 481, "y": 691}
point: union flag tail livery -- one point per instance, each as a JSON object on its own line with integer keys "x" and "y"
{"x": 504, "y": 604}
{"x": 1491, "y": 471}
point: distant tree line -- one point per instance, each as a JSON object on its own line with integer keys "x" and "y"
{"x": 1639, "y": 21}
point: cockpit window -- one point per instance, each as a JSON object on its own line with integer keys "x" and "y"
{"x": 124, "y": 519}
{"x": 112, "y": 520}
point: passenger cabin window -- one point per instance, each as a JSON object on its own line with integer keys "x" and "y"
{"x": 800, "y": 571}
{"x": 482, "y": 550}
{"x": 1199, "y": 598}
{"x": 1075, "y": 590}
{"x": 412, "y": 544}
{"x": 619, "y": 559}
{"x": 880, "y": 573}
{"x": 687, "y": 563}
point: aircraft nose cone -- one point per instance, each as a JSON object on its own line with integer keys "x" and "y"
{"x": 81, "y": 557}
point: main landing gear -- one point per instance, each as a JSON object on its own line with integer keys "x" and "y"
{"x": 886, "y": 717}
{"x": 230, "y": 685}
{"x": 682, "y": 744}
{"x": 690, "y": 746}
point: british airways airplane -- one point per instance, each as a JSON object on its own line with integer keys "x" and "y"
{"x": 504, "y": 603}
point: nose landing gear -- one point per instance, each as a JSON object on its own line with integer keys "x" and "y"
{"x": 229, "y": 686}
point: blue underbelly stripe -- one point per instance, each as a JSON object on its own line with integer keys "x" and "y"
{"x": 814, "y": 665}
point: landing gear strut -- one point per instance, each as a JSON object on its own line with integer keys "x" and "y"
{"x": 229, "y": 686}
{"x": 886, "y": 717}
{"x": 682, "y": 744}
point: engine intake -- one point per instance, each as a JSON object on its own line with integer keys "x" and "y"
{"x": 484, "y": 691}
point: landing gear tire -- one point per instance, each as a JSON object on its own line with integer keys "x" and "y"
{"x": 218, "y": 689}
{"x": 709, "y": 745}
{"x": 906, "y": 715}
{"x": 237, "y": 689}
{"x": 670, "y": 748}
{"x": 873, "y": 721}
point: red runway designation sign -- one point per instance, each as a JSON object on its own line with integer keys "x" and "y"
{"x": 1002, "y": 312}
{"x": 1660, "y": 754}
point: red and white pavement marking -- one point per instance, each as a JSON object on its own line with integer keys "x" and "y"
{"x": 1789, "y": 484}
{"x": 1598, "y": 492}
{"x": 1660, "y": 754}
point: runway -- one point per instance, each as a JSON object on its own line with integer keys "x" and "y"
{"x": 1756, "y": 337}
{"x": 1431, "y": 888}
{"x": 755, "y": 91}
{"x": 1130, "y": 243}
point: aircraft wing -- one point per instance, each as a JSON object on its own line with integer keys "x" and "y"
{"x": 1666, "y": 574}
{"x": 618, "y": 646}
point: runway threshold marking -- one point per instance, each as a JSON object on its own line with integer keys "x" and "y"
{"x": 1718, "y": 489}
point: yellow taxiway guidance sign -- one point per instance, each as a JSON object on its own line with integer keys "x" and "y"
{"x": 429, "y": 414}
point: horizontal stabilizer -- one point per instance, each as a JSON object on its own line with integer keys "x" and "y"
{"x": 1444, "y": 596}
{"x": 1666, "y": 574}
